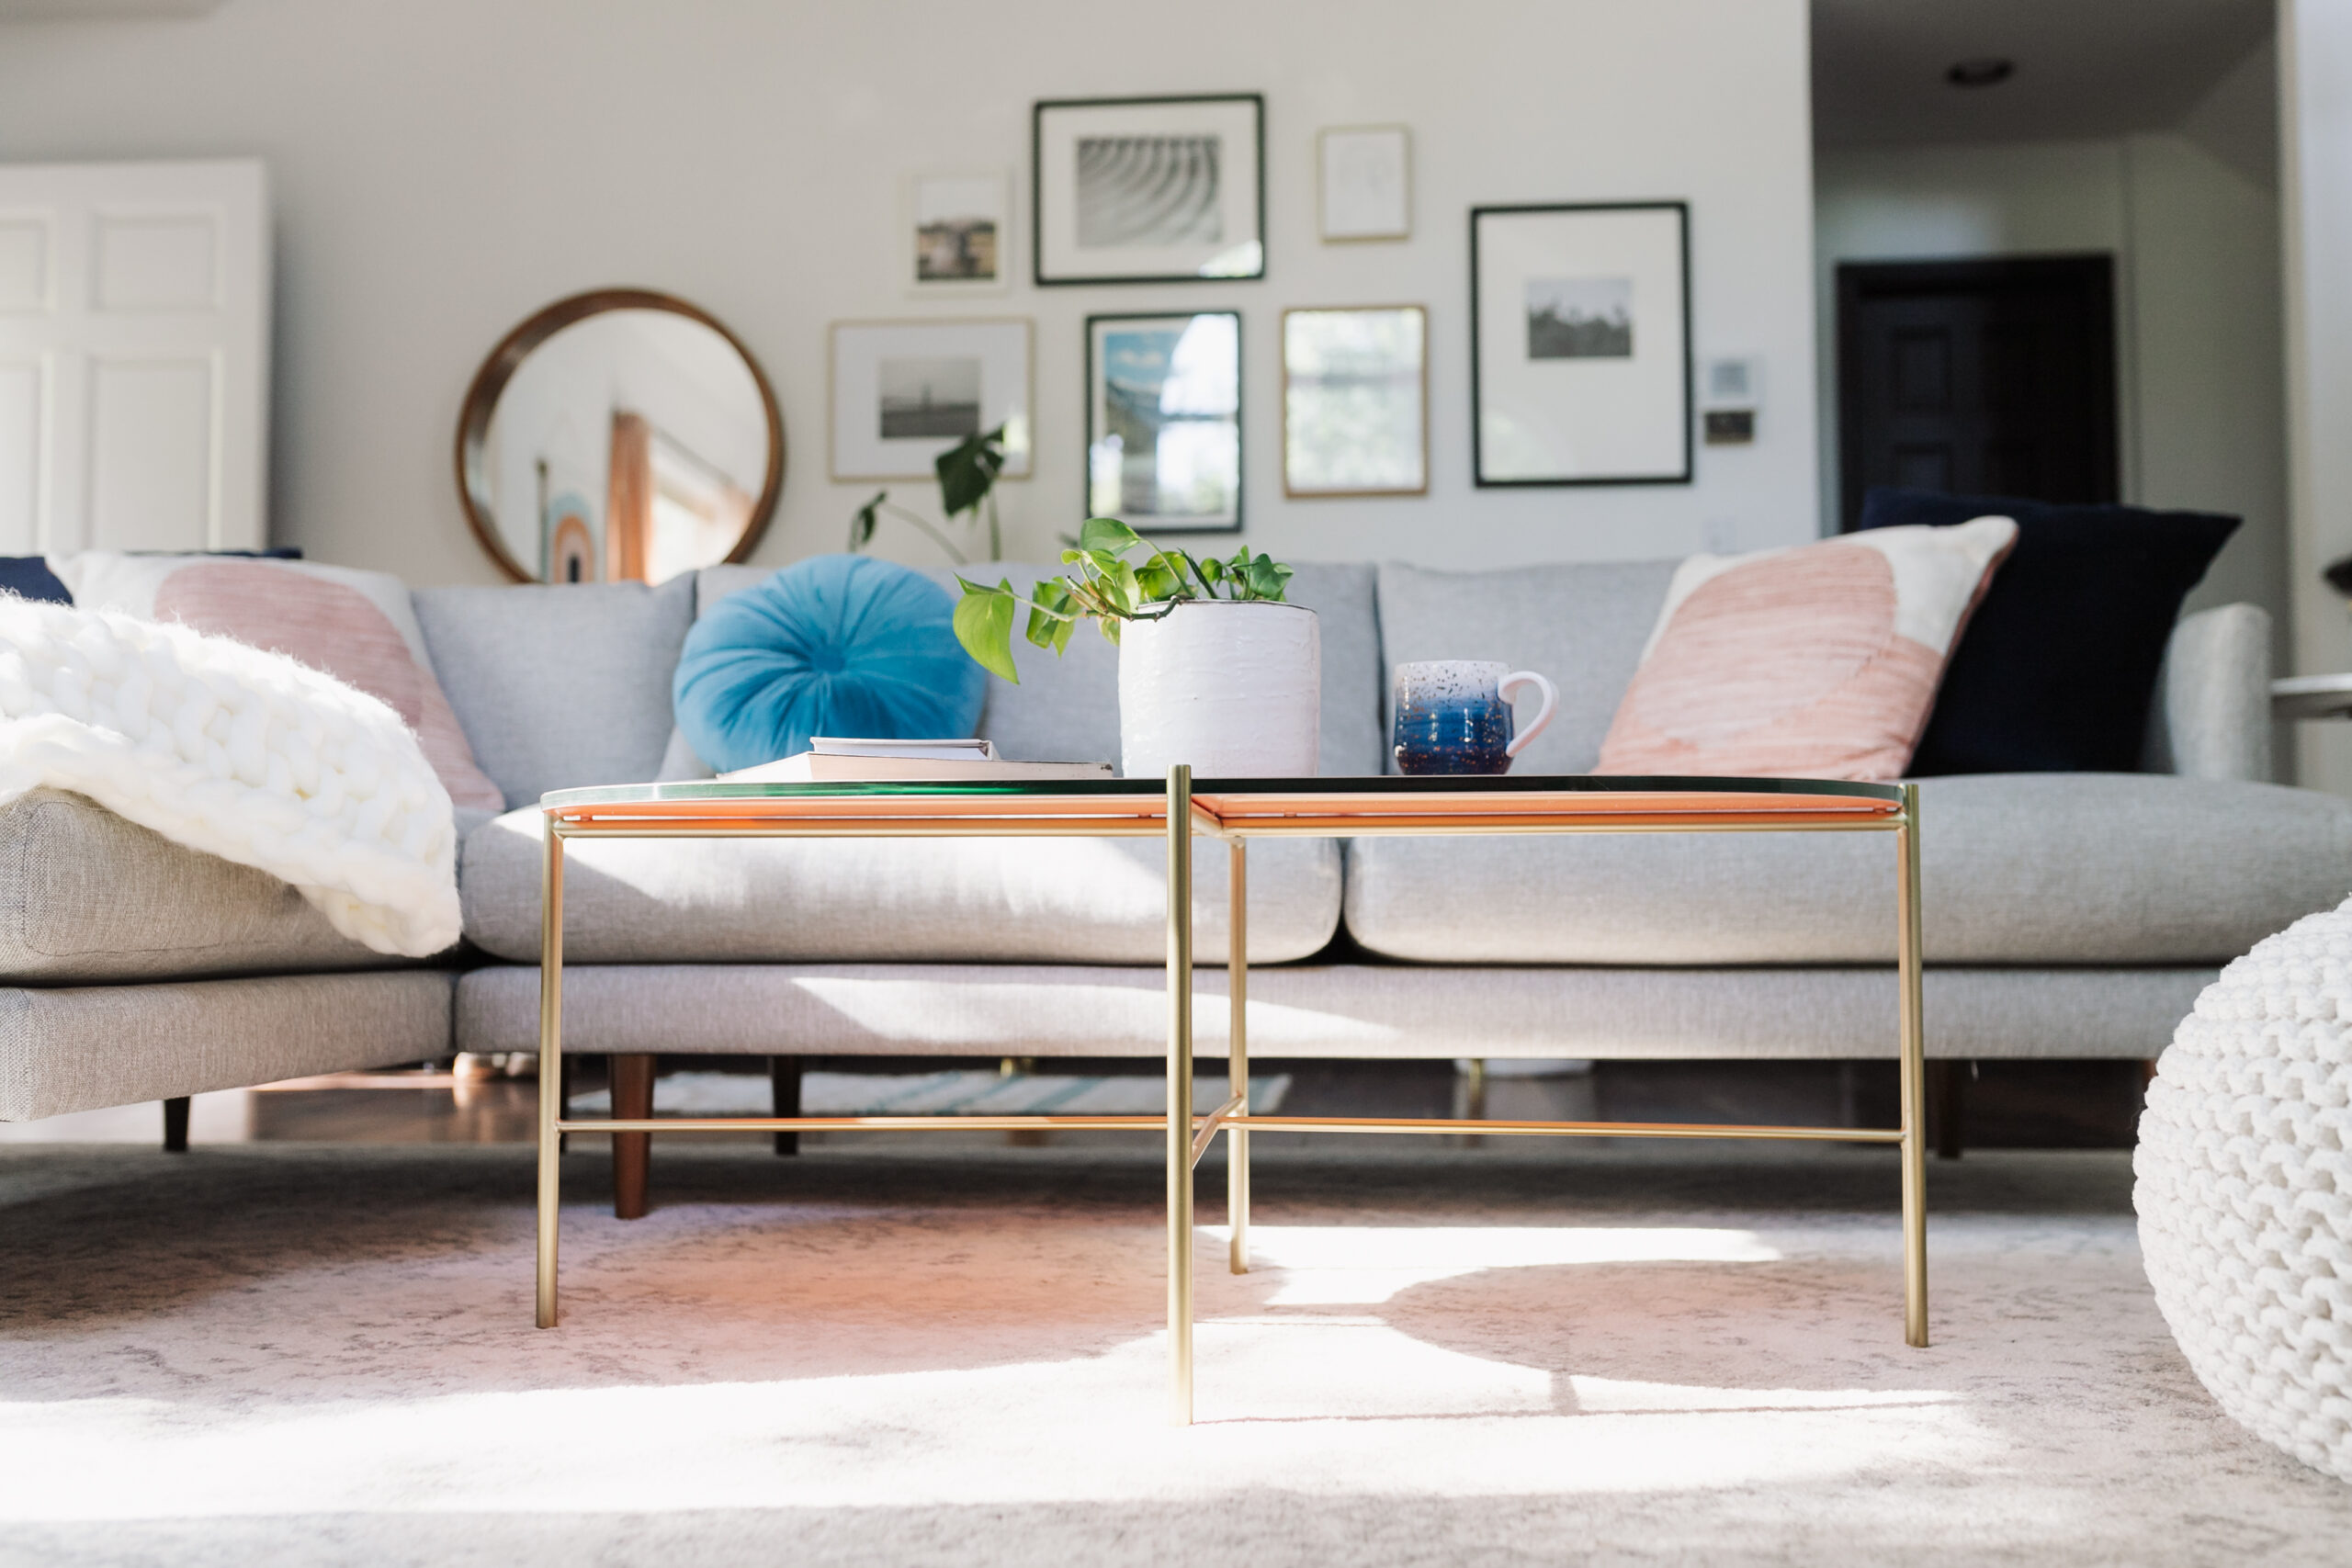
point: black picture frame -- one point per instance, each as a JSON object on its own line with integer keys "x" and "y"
{"x": 1479, "y": 456}
{"x": 1039, "y": 199}
{"x": 1158, "y": 523}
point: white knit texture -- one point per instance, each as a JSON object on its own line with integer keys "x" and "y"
{"x": 243, "y": 754}
{"x": 2244, "y": 1189}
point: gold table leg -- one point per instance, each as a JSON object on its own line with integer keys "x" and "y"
{"x": 551, "y": 1061}
{"x": 1236, "y": 1139}
{"x": 1914, "y": 1076}
{"x": 1179, "y": 1094}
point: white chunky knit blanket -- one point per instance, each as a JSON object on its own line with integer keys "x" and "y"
{"x": 240, "y": 753}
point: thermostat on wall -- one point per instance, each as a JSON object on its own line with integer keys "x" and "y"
{"x": 1733, "y": 391}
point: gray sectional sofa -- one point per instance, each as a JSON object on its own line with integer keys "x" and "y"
{"x": 2069, "y": 916}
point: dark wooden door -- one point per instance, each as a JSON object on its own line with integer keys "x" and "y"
{"x": 1978, "y": 378}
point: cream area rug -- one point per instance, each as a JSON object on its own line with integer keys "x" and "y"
{"x": 950, "y": 1352}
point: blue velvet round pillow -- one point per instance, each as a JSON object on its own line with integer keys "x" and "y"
{"x": 837, "y": 645}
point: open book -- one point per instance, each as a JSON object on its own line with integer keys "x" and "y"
{"x": 837, "y": 760}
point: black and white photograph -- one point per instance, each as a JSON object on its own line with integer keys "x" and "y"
{"x": 903, "y": 393}
{"x": 1163, "y": 420}
{"x": 929, "y": 397}
{"x": 955, "y": 233}
{"x": 1355, "y": 402}
{"x": 1580, "y": 317}
{"x": 1148, "y": 190}
{"x": 1580, "y": 344}
{"x": 1363, "y": 176}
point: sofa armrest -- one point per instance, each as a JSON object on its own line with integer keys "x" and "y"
{"x": 2211, "y": 718}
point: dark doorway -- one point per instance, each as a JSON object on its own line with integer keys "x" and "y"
{"x": 1978, "y": 378}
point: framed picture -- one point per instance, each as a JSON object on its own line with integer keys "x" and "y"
{"x": 1580, "y": 344}
{"x": 955, "y": 233}
{"x": 1364, "y": 182}
{"x": 1163, "y": 420}
{"x": 1149, "y": 190}
{"x": 903, "y": 393}
{"x": 1355, "y": 402}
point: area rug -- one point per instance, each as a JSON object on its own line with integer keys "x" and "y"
{"x": 949, "y": 1352}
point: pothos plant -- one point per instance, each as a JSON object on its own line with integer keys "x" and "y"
{"x": 1106, "y": 588}
{"x": 967, "y": 474}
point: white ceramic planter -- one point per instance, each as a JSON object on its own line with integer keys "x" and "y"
{"x": 1236, "y": 690}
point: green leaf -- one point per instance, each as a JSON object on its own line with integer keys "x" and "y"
{"x": 1126, "y": 589}
{"x": 1109, "y": 626}
{"x": 984, "y": 625}
{"x": 1050, "y": 618}
{"x": 1107, "y": 535}
{"x": 969, "y": 469}
{"x": 1162, "y": 576}
{"x": 862, "y": 522}
{"x": 1211, "y": 571}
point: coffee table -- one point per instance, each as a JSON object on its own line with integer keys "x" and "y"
{"x": 1235, "y": 811}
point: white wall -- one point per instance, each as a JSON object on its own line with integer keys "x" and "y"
{"x": 2315, "y": 135}
{"x": 2195, "y": 237}
{"x": 445, "y": 167}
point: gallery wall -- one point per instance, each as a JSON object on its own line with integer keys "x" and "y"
{"x": 2191, "y": 218}
{"x": 443, "y": 167}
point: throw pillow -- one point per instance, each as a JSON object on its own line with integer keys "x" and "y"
{"x": 1812, "y": 661}
{"x": 29, "y": 577}
{"x": 357, "y": 626}
{"x": 2058, "y": 666}
{"x": 837, "y": 645}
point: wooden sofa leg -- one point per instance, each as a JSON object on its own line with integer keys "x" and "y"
{"x": 632, "y": 1152}
{"x": 783, "y": 1082}
{"x": 175, "y": 1125}
{"x": 1946, "y": 1108}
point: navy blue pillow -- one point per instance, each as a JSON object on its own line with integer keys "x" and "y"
{"x": 29, "y": 577}
{"x": 2056, "y": 669}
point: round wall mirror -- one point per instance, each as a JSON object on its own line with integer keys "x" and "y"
{"x": 621, "y": 436}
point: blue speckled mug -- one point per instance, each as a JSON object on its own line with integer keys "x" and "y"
{"x": 1454, "y": 716}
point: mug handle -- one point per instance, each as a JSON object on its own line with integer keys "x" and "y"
{"x": 1517, "y": 677}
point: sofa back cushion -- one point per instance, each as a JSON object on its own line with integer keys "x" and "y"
{"x": 1066, "y": 709}
{"x": 1584, "y": 626}
{"x": 559, "y": 687}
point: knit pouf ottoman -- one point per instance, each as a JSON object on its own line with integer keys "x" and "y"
{"x": 2244, "y": 1190}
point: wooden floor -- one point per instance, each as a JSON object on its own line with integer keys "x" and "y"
{"x": 2005, "y": 1104}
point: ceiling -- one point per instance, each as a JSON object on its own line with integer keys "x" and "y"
{"x": 2084, "y": 67}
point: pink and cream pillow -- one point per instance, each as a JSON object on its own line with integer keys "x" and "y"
{"x": 1812, "y": 661}
{"x": 357, "y": 626}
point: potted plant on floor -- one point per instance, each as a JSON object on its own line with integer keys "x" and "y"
{"x": 1216, "y": 670}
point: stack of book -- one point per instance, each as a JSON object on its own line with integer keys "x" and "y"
{"x": 832, "y": 758}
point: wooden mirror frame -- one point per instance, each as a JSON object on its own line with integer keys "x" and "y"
{"x": 481, "y": 400}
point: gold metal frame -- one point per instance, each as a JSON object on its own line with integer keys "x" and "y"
{"x": 1235, "y": 811}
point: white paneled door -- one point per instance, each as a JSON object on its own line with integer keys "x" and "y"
{"x": 134, "y": 356}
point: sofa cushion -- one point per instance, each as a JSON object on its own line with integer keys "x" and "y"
{"x": 561, "y": 686}
{"x": 2017, "y": 868}
{"x": 88, "y": 897}
{"x": 1066, "y": 709}
{"x": 939, "y": 900}
{"x": 2056, "y": 669}
{"x": 834, "y": 645}
{"x": 1582, "y": 626}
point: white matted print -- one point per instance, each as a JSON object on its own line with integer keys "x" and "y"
{"x": 1355, "y": 402}
{"x": 1364, "y": 182}
{"x": 1163, "y": 420}
{"x": 1135, "y": 190}
{"x": 903, "y": 393}
{"x": 955, "y": 232}
{"x": 1580, "y": 355}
